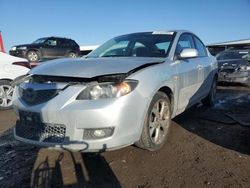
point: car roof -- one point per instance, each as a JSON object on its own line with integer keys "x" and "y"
{"x": 59, "y": 37}
{"x": 161, "y": 32}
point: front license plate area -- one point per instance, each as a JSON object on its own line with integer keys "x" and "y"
{"x": 30, "y": 126}
{"x": 30, "y": 118}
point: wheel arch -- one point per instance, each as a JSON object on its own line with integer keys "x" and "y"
{"x": 216, "y": 75}
{"x": 34, "y": 49}
{"x": 73, "y": 51}
{"x": 6, "y": 79}
{"x": 168, "y": 91}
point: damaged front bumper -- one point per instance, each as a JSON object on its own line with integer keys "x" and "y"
{"x": 242, "y": 77}
{"x": 65, "y": 123}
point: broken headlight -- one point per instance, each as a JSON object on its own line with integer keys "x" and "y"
{"x": 21, "y": 79}
{"x": 244, "y": 68}
{"x": 107, "y": 90}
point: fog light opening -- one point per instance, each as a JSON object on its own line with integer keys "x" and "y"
{"x": 99, "y": 133}
{"x": 91, "y": 134}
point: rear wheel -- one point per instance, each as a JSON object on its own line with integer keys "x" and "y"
{"x": 6, "y": 92}
{"x": 157, "y": 122}
{"x": 210, "y": 99}
{"x": 72, "y": 55}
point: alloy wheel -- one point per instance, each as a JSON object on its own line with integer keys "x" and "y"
{"x": 32, "y": 56}
{"x": 6, "y": 92}
{"x": 72, "y": 55}
{"x": 158, "y": 121}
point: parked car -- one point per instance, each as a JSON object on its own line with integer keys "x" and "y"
{"x": 47, "y": 48}
{"x": 10, "y": 68}
{"x": 124, "y": 92}
{"x": 234, "y": 66}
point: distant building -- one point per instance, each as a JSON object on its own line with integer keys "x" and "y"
{"x": 236, "y": 44}
{"x": 87, "y": 49}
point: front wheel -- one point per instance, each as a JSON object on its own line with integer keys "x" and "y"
{"x": 6, "y": 92}
{"x": 157, "y": 123}
{"x": 72, "y": 55}
{"x": 32, "y": 56}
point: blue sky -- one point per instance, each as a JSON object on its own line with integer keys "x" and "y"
{"x": 92, "y": 22}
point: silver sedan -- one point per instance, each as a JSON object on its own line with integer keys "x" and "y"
{"x": 124, "y": 92}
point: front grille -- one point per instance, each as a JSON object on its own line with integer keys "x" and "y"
{"x": 228, "y": 70}
{"x": 31, "y": 127}
{"x": 34, "y": 97}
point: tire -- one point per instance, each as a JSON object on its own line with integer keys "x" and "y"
{"x": 33, "y": 56}
{"x": 210, "y": 99}
{"x": 72, "y": 55}
{"x": 6, "y": 92}
{"x": 156, "y": 125}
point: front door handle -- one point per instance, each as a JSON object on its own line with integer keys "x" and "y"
{"x": 199, "y": 67}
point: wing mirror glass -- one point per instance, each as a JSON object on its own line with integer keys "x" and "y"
{"x": 45, "y": 43}
{"x": 188, "y": 53}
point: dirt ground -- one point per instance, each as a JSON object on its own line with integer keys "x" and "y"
{"x": 205, "y": 148}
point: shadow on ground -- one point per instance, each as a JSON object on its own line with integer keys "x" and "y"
{"x": 16, "y": 161}
{"x": 23, "y": 165}
{"x": 76, "y": 170}
{"x": 214, "y": 124}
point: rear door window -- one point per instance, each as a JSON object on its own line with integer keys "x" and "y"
{"x": 63, "y": 43}
{"x": 72, "y": 43}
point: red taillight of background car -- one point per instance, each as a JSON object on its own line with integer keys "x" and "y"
{"x": 22, "y": 63}
{"x": 34, "y": 64}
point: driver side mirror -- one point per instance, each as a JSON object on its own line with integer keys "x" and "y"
{"x": 45, "y": 43}
{"x": 246, "y": 57}
{"x": 188, "y": 53}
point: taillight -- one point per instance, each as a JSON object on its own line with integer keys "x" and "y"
{"x": 22, "y": 63}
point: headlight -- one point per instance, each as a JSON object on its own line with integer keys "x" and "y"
{"x": 107, "y": 90}
{"x": 244, "y": 68}
{"x": 13, "y": 48}
{"x": 91, "y": 134}
{"x": 21, "y": 79}
{"x": 22, "y": 48}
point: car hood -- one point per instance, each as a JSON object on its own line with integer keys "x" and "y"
{"x": 233, "y": 63}
{"x": 28, "y": 45}
{"x": 92, "y": 67}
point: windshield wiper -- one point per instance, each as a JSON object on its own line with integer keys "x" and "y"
{"x": 113, "y": 56}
